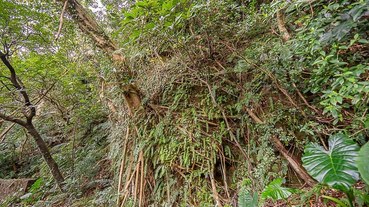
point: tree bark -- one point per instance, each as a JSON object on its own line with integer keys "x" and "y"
{"x": 90, "y": 27}
{"x": 281, "y": 26}
{"x": 41, "y": 146}
{"x": 292, "y": 161}
{"x": 46, "y": 154}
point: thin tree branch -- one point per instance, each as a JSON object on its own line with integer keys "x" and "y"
{"x": 12, "y": 119}
{"x": 61, "y": 20}
{"x": 2, "y": 135}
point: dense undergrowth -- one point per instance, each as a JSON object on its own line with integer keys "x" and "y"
{"x": 219, "y": 83}
{"x": 203, "y": 71}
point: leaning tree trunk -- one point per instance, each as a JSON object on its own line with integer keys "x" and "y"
{"x": 89, "y": 26}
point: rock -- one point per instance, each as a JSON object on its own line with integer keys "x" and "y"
{"x": 11, "y": 186}
{"x": 25, "y": 196}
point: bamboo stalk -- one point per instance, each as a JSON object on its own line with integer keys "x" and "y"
{"x": 122, "y": 164}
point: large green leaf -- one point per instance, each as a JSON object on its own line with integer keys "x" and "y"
{"x": 336, "y": 166}
{"x": 363, "y": 162}
{"x": 275, "y": 190}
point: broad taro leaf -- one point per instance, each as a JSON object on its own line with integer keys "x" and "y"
{"x": 363, "y": 162}
{"x": 335, "y": 167}
{"x": 275, "y": 190}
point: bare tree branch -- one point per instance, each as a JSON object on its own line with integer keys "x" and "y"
{"x": 3, "y": 133}
{"x": 12, "y": 119}
{"x": 61, "y": 20}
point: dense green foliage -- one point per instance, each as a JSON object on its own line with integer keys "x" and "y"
{"x": 334, "y": 48}
{"x": 217, "y": 84}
